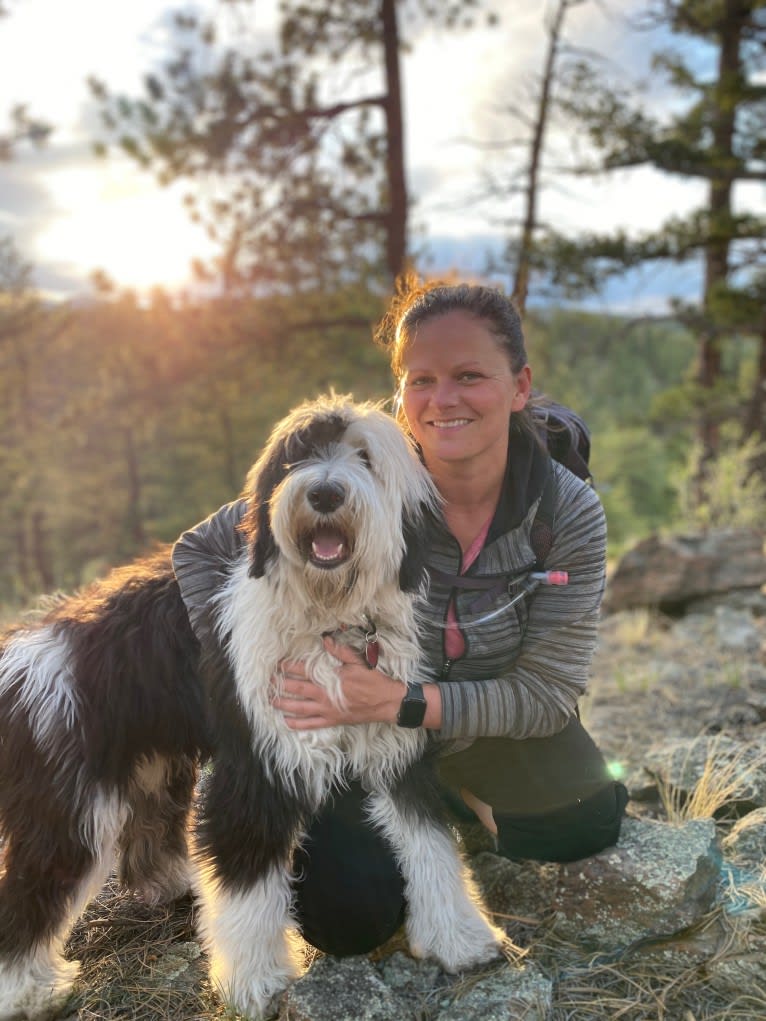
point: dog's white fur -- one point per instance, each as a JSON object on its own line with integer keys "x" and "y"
{"x": 276, "y": 605}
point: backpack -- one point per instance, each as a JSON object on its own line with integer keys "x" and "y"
{"x": 567, "y": 438}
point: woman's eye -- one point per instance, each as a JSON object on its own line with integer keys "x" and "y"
{"x": 417, "y": 381}
{"x": 469, "y": 377}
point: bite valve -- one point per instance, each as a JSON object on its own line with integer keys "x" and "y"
{"x": 550, "y": 577}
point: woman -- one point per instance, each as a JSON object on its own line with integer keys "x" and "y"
{"x": 501, "y": 697}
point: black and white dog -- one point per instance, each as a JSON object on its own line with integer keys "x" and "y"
{"x": 108, "y": 705}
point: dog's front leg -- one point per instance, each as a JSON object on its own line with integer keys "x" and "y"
{"x": 246, "y": 833}
{"x": 445, "y": 919}
{"x": 254, "y": 949}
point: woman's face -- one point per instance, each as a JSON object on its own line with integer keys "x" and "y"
{"x": 458, "y": 391}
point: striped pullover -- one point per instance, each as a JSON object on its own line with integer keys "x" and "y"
{"x": 523, "y": 671}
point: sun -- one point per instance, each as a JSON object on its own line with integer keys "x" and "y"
{"x": 114, "y": 218}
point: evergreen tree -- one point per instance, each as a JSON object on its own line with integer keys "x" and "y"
{"x": 301, "y": 148}
{"x": 22, "y": 127}
{"x": 716, "y": 134}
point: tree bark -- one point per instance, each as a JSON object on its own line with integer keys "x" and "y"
{"x": 135, "y": 522}
{"x": 396, "y": 233}
{"x": 730, "y": 31}
{"x": 40, "y": 551}
{"x": 526, "y": 243}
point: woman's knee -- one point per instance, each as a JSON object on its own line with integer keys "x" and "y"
{"x": 568, "y": 833}
{"x": 349, "y": 891}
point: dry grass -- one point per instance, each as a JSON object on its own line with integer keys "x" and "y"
{"x": 724, "y": 780}
{"x": 669, "y": 979}
{"x": 125, "y": 948}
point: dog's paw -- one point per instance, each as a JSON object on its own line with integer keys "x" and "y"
{"x": 257, "y": 1000}
{"x": 167, "y": 881}
{"x": 459, "y": 945}
{"x": 252, "y": 984}
{"x": 35, "y": 990}
{"x": 154, "y": 891}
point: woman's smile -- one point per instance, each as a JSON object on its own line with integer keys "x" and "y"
{"x": 451, "y": 423}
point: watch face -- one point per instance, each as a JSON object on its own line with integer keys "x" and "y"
{"x": 412, "y": 710}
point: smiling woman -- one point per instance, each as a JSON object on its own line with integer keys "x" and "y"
{"x": 111, "y": 219}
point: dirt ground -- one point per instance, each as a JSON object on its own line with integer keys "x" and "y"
{"x": 654, "y": 678}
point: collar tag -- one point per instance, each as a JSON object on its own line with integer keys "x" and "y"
{"x": 371, "y": 649}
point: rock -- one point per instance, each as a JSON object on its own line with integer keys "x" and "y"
{"x": 413, "y": 980}
{"x": 658, "y": 880}
{"x": 746, "y": 841}
{"x": 346, "y": 990}
{"x": 751, "y": 599}
{"x": 510, "y": 994}
{"x": 742, "y": 969}
{"x": 670, "y": 573}
{"x": 733, "y": 772}
{"x": 172, "y": 968}
{"x": 736, "y": 630}
{"x": 399, "y": 988}
{"x": 517, "y": 893}
{"x": 744, "y": 847}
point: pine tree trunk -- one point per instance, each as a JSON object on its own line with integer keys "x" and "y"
{"x": 135, "y": 522}
{"x": 523, "y": 264}
{"x": 396, "y": 234}
{"x": 730, "y": 29}
{"x": 40, "y": 551}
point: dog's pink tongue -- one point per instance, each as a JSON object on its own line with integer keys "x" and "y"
{"x": 327, "y": 544}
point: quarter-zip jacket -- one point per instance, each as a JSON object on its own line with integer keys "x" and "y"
{"x": 523, "y": 671}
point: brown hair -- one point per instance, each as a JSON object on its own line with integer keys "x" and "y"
{"x": 416, "y": 302}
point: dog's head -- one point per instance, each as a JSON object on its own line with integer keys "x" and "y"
{"x": 340, "y": 493}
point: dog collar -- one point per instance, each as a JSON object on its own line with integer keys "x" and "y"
{"x": 371, "y": 650}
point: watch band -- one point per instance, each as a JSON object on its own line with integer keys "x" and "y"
{"x": 412, "y": 711}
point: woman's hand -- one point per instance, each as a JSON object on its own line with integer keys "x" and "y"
{"x": 370, "y": 696}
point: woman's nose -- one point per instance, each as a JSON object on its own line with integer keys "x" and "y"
{"x": 445, "y": 394}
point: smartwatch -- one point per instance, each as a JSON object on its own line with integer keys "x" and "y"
{"x": 413, "y": 708}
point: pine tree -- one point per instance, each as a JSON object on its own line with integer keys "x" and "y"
{"x": 301, "y": 171}
{"x": 716, "y": 134}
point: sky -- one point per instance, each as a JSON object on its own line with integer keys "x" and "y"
{"x": 71, "y": 213}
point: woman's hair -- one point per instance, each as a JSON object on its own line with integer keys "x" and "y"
{"x": 416, "y": 302}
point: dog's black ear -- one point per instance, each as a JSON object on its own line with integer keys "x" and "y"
{"x": 262, "y": 545}
{"x": 256, "y": 524}
{"x": 291, "y": 442}
{"x": 413, "y": 565}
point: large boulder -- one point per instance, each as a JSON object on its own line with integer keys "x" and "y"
{"x": 658, "y": 880}
{"x": 671, "y": 572}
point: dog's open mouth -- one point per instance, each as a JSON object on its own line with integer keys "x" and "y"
{"x": 327, "y": 547}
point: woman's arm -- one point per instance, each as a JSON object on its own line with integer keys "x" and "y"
{"x": 370, "y": 696}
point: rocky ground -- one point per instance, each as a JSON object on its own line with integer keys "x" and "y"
{"x": 655, "y": 678}
{"x": 664, "y": 928}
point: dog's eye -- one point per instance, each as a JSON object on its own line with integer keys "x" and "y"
{"x": 364, "y": 457}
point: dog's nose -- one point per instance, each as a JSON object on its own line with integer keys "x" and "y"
{"x": 326, "y": 497}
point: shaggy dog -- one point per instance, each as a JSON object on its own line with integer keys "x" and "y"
{"x": 108, "y": 705}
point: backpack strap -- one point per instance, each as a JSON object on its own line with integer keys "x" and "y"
{"x": 540, "y": 539}
{"x": 541, "y": 533}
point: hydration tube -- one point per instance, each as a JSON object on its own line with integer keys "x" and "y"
{"x": 528, "y": 585}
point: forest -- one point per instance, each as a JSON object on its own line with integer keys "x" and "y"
{"x": 126, "y": 418}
